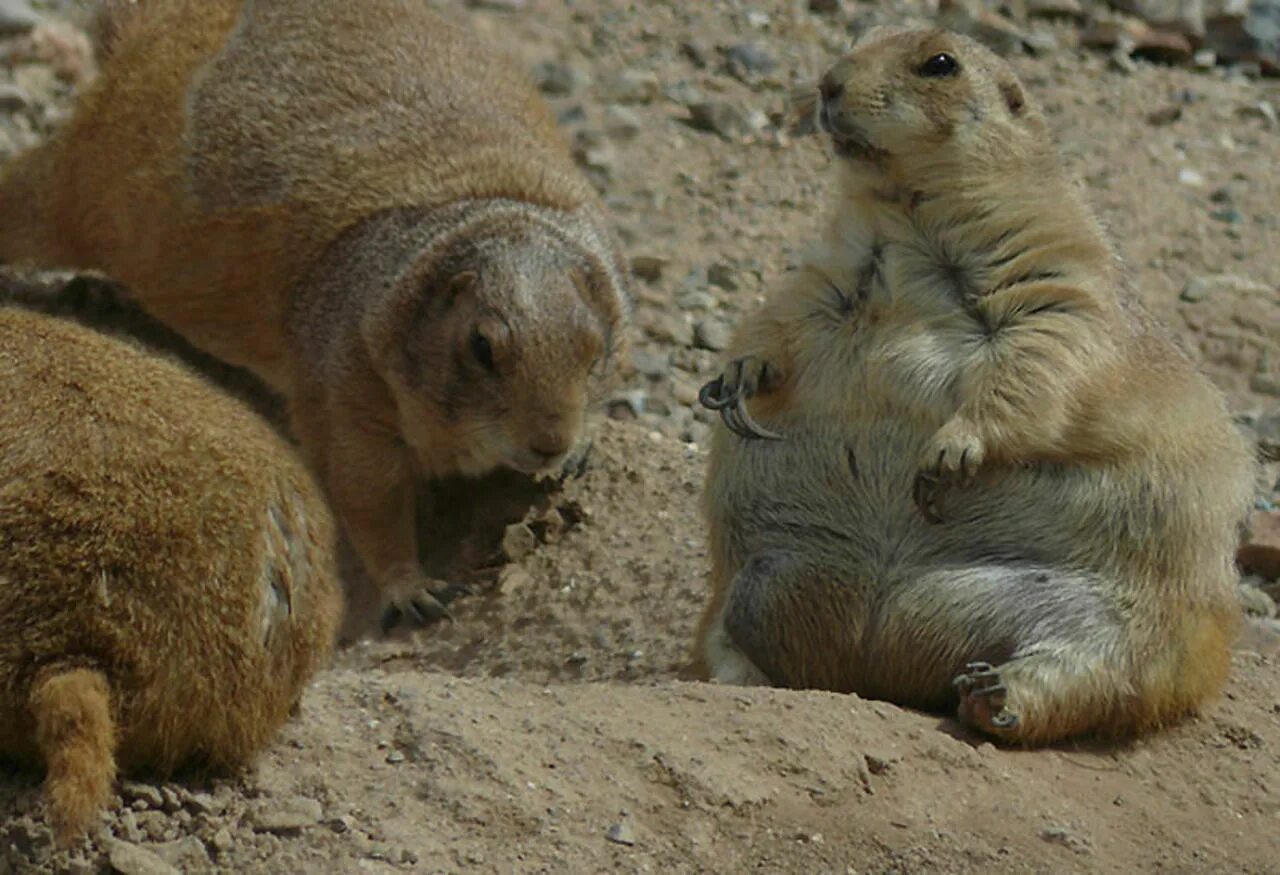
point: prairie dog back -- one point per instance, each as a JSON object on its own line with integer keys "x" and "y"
{"x": 167, "y": 586}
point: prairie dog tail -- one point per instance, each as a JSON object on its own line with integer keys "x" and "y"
{"x": 76, "y": 736}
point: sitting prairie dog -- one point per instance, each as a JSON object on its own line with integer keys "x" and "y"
{"x": 167, "y": 581}
{"x": 998, "y": 484}
{"x": 364, "y": 206}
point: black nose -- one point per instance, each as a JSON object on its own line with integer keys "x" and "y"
{"x": 830, "y": 88}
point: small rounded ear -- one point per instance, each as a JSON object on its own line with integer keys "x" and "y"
{"x": 1014, "y": 97}
{"x": 460, "y": 284}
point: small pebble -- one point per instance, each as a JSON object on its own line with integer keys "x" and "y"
{"x": 621, "y": 834}
{"x": 711, "y": 334}
{"x": 289, "y": 815}
{"x": 127, "y": 858}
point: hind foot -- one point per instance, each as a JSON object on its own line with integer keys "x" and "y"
{"x": 983, "y": 696}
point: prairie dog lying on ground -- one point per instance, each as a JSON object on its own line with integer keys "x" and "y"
{"x": 366, "y": 207}
{"x": 167, "y": 582}
{"x": 1000, "y": 486}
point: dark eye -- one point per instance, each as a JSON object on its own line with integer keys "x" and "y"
{"x": 481, "y": 349}
{"x": 939, "y": 65}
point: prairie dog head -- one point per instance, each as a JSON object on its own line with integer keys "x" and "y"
{"x": 509, "y": 339}
{"x": 921, "y": 98}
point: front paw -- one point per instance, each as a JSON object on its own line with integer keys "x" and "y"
{"x": 744, "y": 378}
{"x": 953, "y": 455}
{"x": 418, "y": 602}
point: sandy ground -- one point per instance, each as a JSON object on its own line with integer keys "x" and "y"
{"x": 549, "y": 727}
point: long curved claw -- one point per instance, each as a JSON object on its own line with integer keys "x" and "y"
{"x": 747, "y": 427}
{"x": 423, "y": 607}
{"x": 732, "y": 407}
{"x": 925, "y": 493}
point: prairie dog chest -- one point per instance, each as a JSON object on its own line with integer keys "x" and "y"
{"x": 887, "y": 328}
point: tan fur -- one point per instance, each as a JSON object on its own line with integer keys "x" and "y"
{"x": 963, "y": 329}
{"x": 167, "y": 580}
{"x": 339, "y": 196}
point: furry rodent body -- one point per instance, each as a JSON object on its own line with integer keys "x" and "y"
{"x": 365, "y": 206}
{"x": 167, "y": 582}
{"x": 1000, "y": 485}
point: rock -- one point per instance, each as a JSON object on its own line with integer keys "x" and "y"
{"x": 1071, "y": 9}
{"x": 654, "y": 365}
{"x": 1260, "y": 635}
{"x": 203, "y": 803}
{"x": 1105, "y": 34}
{"x": 1183, "y": 17}
{"x": 621, "y": 123}
{"x": 1260, "y": 552}
{"x": 824, "y": 7}
{"x": 633, "y": 86}
{"x": 971, "y": 18}
{"x": 499, "y": 5}
{"x": 64, "y": 48}
{"x": 711, "y": 334}
{"x": 127, "y": 858}
{"x": 1119, "y": 59}
{"x": 223, "y": 841}
{"x": 723, "y": 276}
{"x": 1247, "y": 33}
{"x": 649, "y": 267}
{"x": 146, "y": 793}
{"x": 1254, "y": 602}
{"x": 559, "y": 80}
{"x": 877, "y": 765}
{"x": 289, "y": 815}
{"x": 510, "y": 579}
{"x": 1264, "y": 110}
{"x": 1059, "y": 835}
{"x": 518, "y": 541}
{"x": 1193, "y": 178}
{"x": 696, "y": 300}
{"x": 1166, "y": 115}
{"x": 627, "y": 406}
{"x": 13, "y": 98}
{"x": 621, "y": 834}
{"x": 1163, "y": 46}
{"x": 1040, "y": 43}
{"x": 721, "y": 117}
{"x": 596, "y": 155}
{"x": 1222, "y": 284}
{"x": 747, "y": 62}
{"x": 1267, "y": 430}
{"x": 185, "y": 854}
{"x": 17, "y": 16}
{"x": 684, "y": 392}
{"x": 697, "y": 53}
{"x": 667, "y": 327}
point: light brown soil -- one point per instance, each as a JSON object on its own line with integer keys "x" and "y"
{"x": 548, "y": 729}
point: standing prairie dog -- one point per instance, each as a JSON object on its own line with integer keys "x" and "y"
{"x": 363, "y": 205}
{"x": 167, "y": 581}
{"x": 999, "y": 485}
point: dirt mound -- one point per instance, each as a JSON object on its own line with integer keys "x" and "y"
{"x": 548, "y": 728}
